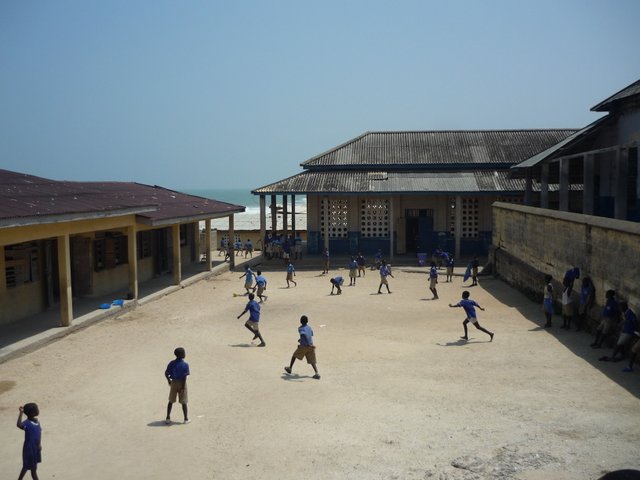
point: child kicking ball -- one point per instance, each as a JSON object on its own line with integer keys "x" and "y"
{"x": 469, "y": 308}
{"x": 306, "y": 348}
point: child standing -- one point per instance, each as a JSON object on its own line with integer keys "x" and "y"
{"x": 474, "y": 271}
{"x": 547, "y": 303}
{"x": 385, "y": 271}
{"x": 361, "y": 264}
{"x": 325, "y": 261}
{"x": 32, "y": 447}
{"x": 291, "y": 272}
{"x": 306, "y": 348}
{"x": 353, "y": 270}
{"x": 176, "y": 374}
{"x": 610, "y": 315}
{"x": 468, "y": 306}
{"x": 433, "y": 281}
{"x": 450, "y": 265}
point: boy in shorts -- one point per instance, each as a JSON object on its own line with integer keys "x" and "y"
{"x": 362, "y": 263}
{"x": 291, "y": 272}
{"x": 433, "y": 281}
{"x": 469, "y": 309}
{"x": 629, "y": 327}
{"x": 385, "y": 271}
{"x": 176, "y": 374}
{"x": 353, "y": 270}
{"x": 248, "y": 279}
{"x": 306, "y": 348}
{"x": 337, "y": 283}
{"x": 254, "y": 318}
{"x": 610, "y": 315}
{"x": 261, "y": 286}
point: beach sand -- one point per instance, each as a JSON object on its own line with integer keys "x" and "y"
{"x": 401, "y": 396}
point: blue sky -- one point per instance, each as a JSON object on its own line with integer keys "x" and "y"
{"x": 235, "y": 94}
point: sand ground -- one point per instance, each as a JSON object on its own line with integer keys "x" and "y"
{"x": 401, "y": 397}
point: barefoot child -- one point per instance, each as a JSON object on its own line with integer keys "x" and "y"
{"x": 291, "y": 272}
{"x": 254, "y": 318}
{"x": 31, "y": 449}
{"x": 385, "y": 271}
{"x": 468, "y": 306}
{"x": 261, "y": 286}
{"x": 306, "y": 348}
{"x": 248, "y": 278}
{"x": 353, "y": 270}
{"x": 337, "y": 283}
{"x": 176, "y": 374}
{"x": 433, "y": 281}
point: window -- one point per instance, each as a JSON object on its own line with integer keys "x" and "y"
{"x": 21, "y": 264}
{"x": 470, "y": 217}
{"x": 374, "y": 218}
{"x": 337, "y": 218}
{"x": 109, "y": 250}
{"x": 144, "y": 244}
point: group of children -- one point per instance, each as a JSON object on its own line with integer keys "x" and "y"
{"x": 247, "y": 248}
{"x": 284, "y": 247}
{"x": 577, "y": 305}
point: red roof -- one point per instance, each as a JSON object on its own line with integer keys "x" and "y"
{"x": 29, "y": 199}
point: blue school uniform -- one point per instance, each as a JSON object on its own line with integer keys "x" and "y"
{"x": 469, "y": 307}
{"x": 306, "y": 335}
{"x": 290, "y": 268}
{"x": 177, "y": 369}
{"x": 31, "y": 455}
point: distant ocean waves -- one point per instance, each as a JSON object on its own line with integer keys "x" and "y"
{"x": 250, "y": 219}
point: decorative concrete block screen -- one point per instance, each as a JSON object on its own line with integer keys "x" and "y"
{"x": 470, "y": 217}
{"x": 337, "y": 216}
{"x": 374, "y": 218}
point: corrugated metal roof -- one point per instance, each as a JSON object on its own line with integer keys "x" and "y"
{"x": 438, "y": 148}
{"x": 356, "y": 182}
{"x": 626, "y": 93}
{"x": 570, "y": 141}
{"x": 25, "y": 196}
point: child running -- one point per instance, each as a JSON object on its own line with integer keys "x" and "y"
{"x": 32, "y": 447}
{"x": 291, "y": 272}
{"x": 254, "y": 318}
{"x": 261, "y": 286}
{"x": 468, "y": 306}
{"x": 176, "y": 374}
{"x": 248, "y": 281}
{"x": 306, "y": 348}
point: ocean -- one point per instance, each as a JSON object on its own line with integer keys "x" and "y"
{"x": 250, "y": 219}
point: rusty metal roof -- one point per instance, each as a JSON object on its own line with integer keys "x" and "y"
{"x": 403, "y": 182}
{"x": 624, "y": 95}
{"x": 26, "y": 199}
{"x": 438, "y": 149}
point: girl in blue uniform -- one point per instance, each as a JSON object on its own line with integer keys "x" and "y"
{"x": 32, "y": 447}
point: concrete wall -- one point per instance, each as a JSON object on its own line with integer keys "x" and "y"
{"x": 530, "y": 242}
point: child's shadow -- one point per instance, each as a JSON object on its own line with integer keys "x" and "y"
{"x": 294, "y": 377}
{"x": 241, "y": 345}
{"x": 457, "y": 343}
{"x": 158, "y": 423}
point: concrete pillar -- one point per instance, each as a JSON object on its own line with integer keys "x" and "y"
{"x": 325, "y": 201}
{"x": 528, "y": 189}
{"x": 564, "y": 184}
{"x": 544, "y": 186}
{"x": 177, "y": 254}
{"x": 232, "y": 243}
{"x": 458, "y": 225}
{"x": 132, "y": 254}
{"x": 64, "y": 280}
{"x": 285, "y": 215}
{"x": 3, "y": 277}
{"x": 392, "y": 221}
{"x": 293, "y": 215}
{"x": 263, "y": 222}
{"x": 622, "y": 168}
{"x": 588, "y": 182}
{"x": 207, "y": 247}
{"x": 274, "y": 214}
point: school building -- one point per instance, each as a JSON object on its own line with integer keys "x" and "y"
{"x": 407, "y": 192}
{"x": 62, "y": 240}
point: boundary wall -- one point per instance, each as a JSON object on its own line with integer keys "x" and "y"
{"x": 530, "y": 242}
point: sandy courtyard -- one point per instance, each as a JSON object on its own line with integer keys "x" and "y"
{"x": 401, "y": 397}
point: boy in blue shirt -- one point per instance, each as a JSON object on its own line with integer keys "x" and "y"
{"x": 248, "y": 281}
{"x": 468, "y": 306}
{"x": 261, "y": 286}
{"x": 337, "y": 283}
{"x": 629, "y": 327}
{"x": 385, "y": 271}
{"x": 610, "y": 316}
{"x": 433, "y": 281}
{"x": 306, "y": 348}
{"x": 291, "y": 272}
{"x": 450, "y": 265}
{"x": 254, "y": 318}
{"x": 176, "y": 374}
{"x": 353, "y": 270}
